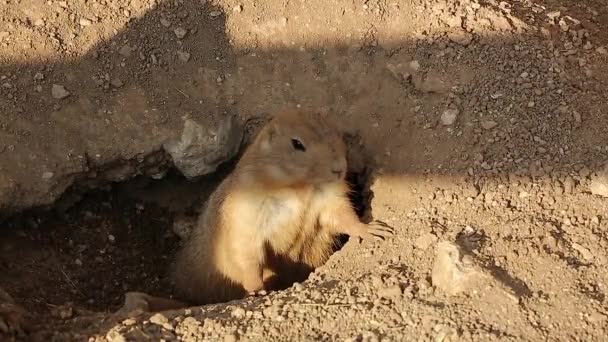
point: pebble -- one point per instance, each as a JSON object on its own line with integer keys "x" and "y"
{"x": 391, "y": 292}
{"x": 599, "y": 183}
{"x": 161, "y": 320}
{"x": 59, "y": 92}
{"x": 585, "y": 253}
{"x": 125, "y": 51}
{"x": 415, "y": 65}
{"x": 84, "y": 22}
{"x": 180, "y": 32}
{"x": 237, "y": 9}
{"x": 602, "y": 50}
{"x": 238, "y": 313}
{"x": 215, "y": 14}
{"x": 449, "y": 116}
{"x": 488, "y": 124}
{"x": 183, "y": 56}
{"x": 448, "y": 273}
{"x": 116, "y": 83}
{"x": 166, "y": 23}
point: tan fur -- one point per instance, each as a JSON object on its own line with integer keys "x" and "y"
{"x": 275, "y": 217}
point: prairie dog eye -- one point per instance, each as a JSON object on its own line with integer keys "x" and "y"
{"x": 297, "y": 144}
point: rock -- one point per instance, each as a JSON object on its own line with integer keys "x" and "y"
{"x": 59, "y": 92}
{"x": 391, "y": 292}
{"x": 577, "y": 117}
{"x": 431, "y": 84}
{"x": 159, "y": 319}
{"x": 237, "y": 9}
{"x": 116, "y": 83}
{"x": 585, "y": 252}
{"x": 238, "y": 313}
{"x": 47, "y": 175}
{"x": 215, "y": 14}
{"x": 599, "y": 183}
{"x": 84, "y": 22}
{"x": 602, "y": 50}
{"x": 166, "y": 23}
{"x": 183, "y": 56}
{"x": 125, "y": 51}
{"x": 462, "y": 38}
{"x": 449, "y": 116}
{"x": 201, "y": 150}
{"x": 415, "y": 65}
{"x": 425, "y": 241}
{"x": 488, "y": 124}
{"x": 180, "y": 32}
{"x": 449, "y": 273}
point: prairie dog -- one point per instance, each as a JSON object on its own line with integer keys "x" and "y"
{"x": 278, "y": 211}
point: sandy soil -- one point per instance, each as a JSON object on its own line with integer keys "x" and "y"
{"x": 485, "y": 121}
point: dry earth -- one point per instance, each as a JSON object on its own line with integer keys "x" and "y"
{"x": 486, "y": 121}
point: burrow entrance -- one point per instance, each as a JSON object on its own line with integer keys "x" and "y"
{"x": 64, "y": 262}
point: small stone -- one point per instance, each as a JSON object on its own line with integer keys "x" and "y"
{"x": 215, "y": 14}
{"x": 166, "y": 23}
{"x": 59, "y": 92}
{"x": 84, "y": 22}
{"x": 161, "y": 320}
{"x": 111, "y": 238}
{"x": 47, "y": 175}
{"x": 183, "y": 56}
{"x": 78, "y": 262}
{"x": 237, "y": 9}
{"x": 39, "y": 22}
{"x": 531, "y": 104}
{"x": 238, "y": 313}
{"x": 488, "y": 124}
{"x": 585, "y": 252}
{"x": 601, "y": 50}
{"x": 415, "y": 65}
{"x": 4, "y": 34}
{"x": 595, "y": 220}
{"x": 449, "y": 273}
{"x": 115, "y": 336}
{"x": 425, "y": 241}
{"x": 38, "y": 76}
{"x": 391, "y": 292}
{"x": 230, "y": 337}
{"x": 125, "y": 51}
{"x": 577, "y": 117}
{"x": 180, "y": 32}
{"x": 463, "y": 39}
{"x": 116, "y": 83}
{"x": 449, "y": 116}
{"x": 599, "y": 183}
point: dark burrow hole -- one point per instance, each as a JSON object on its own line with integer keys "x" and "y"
{"x": 117, "y": 239}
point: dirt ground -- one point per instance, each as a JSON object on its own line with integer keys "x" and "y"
{"x": 486, "y": 120}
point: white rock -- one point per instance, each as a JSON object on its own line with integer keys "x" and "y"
{"x": 449, "y": 274}
{"x": 449, "y": 116}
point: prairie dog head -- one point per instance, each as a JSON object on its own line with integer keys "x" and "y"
{"x": 300, "y": 148}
